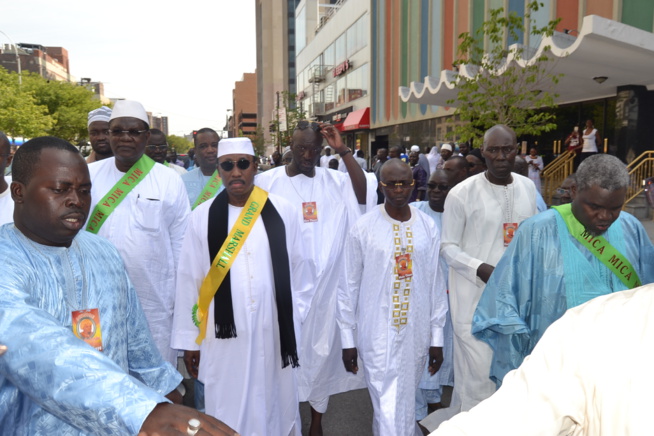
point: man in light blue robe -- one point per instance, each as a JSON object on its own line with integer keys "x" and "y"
{"x": 546, "y": 270}
{"x": 51, "y": 381}
{"x": 430, "y": 389}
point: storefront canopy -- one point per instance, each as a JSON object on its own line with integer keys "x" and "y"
{"x": 605, "y": 54}
{"x": 356, "y": 120}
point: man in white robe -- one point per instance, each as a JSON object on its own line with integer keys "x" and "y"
{"x": 327, "y": 204}
{"x": 481, "y": 214}
{"x": 147, "y": 226}
{"x": 56, "y": 281}
{"x": 247, "y": 381}
{"x": 395, "y": 301}
{"x": 6, "y": 203}
{"x": 567, "y": 386}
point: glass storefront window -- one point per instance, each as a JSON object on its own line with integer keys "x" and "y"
{"x": 339, "y": 50}
{"x": 341, "y": 89}
{"x": 357, "y": 83}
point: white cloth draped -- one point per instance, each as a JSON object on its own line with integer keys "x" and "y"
{"x": 473, "y": 234}
{"x": 147, "y": 228}
{"x": 6, "y": 204}
{"x": 245, "y": 384}
{"x": 321, "y": 371}
{"x": 393, "y": 359}
{"x": 567, "y": 385}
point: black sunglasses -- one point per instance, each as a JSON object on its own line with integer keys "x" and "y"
{"x": 439, "y": 186}
{"x": 302, "y": 125}
{"x": 242, "y": 164}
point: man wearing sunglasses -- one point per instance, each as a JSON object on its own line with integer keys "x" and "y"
{"x": 395, "y": 300}
{"x": 142, "y": 208}
{"x": 157, "y": 150}
{"x": 251, "y": 312}
{"x": 327, "y": 203}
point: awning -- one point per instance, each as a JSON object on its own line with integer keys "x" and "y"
{"x": 622, "y": 54}
{"x": 359, "y": 119}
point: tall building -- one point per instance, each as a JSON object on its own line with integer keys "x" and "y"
{"x": 275, "y": 56}
{"x": 158, "y": 122}
{"x": 49, "y": 62}
{"x": 333, "y": 66}
{"x": 604, "y": 50}
{"x": 244, "y": 111}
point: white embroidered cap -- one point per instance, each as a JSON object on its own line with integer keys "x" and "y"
{"x": 130, "y": 108}
{"x": 100, "y": 114}
{"x": 446, "y": 146}
{"x": 235, "y": 146}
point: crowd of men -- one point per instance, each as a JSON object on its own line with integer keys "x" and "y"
{"x": 433, "y": 269}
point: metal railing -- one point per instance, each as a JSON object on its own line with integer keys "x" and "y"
{"x": 555, "y": 173}
{"x": 639, "y": 169}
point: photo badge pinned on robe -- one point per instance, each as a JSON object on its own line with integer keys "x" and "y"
{"x": 509, "y": 231}
{"x": 86, "y": 326}
{"x": 310, "y": 211}
{"x": 404, "y": 266}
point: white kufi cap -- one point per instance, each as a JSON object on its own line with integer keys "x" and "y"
{"x": 100, "y": 114}
{"x": 130, "y": 108}
{"x": 235, "y": 146}
{"x": 415, "y": 148}
{"x": 446, "y": 146}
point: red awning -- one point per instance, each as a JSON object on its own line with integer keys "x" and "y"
{"x": 356, "y": 120}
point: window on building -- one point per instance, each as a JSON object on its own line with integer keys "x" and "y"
{"x": 357, "y": 83}
{"x": 328, "y": 57}
{"x": 328, "y": 96}
{"x": 340, "y": 50}
{"x": 300, "y": 29}
{"x": 341, "y": 90}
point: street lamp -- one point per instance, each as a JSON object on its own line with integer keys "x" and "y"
{"x": 20, "y": 78}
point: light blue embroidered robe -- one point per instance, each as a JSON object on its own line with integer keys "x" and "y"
{"x": 51, "y": 382}
{"x": 539, "y": 276}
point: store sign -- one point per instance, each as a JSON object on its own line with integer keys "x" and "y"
{"x": 342, "y": 68}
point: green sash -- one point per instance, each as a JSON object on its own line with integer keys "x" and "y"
{"x": 118, "y": 192}
{"x": 615, "y": 261}
{"x": 209, "y": 190}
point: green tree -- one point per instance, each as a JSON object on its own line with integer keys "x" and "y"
{"x": 501, "y": 93}
{"x": 20, "y": 114}
{"x": 259, "y": 142}
{"x": 179, "y": 143}
{"x": 67, "y": 103}
{"x": 293, "y": 114}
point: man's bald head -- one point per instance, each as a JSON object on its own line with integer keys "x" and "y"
{"x": 394, "y": 168}
{"x": 500, "y": 128}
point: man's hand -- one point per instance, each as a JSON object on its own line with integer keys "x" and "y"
{"x": 435, "y": 359}
{"x": 350, "y": 360}
{"x": 192, "y": 362}
{"x": 172, "y": 419}
{"x": 333, "y": 137}
{"x": 484, "y": 272}
{"x": 3, "y": 349}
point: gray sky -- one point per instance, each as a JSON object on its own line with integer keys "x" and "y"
{"x": 179, "y": 58}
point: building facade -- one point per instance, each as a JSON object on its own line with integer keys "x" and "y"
{"x": 275, "y": 21}
{"x": 333, "y": 66}
{"x": 244, "y": 110}
{"x": 51, "y": 63}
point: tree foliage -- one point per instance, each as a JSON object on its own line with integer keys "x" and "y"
{"x": 293, "y": 115}
{"x": 179, "y": 143}
{"x": 515, "y": 96}
{"x": 44, "y": 107}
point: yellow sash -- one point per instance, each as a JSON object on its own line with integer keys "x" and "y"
{"x": 225, "y": 257}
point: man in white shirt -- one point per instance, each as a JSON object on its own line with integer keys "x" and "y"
{"x": 481, "y": 215}
{"x": 157, "y": 149}
{"x": 142, "y": 208}
{"x": 251, "y": 321}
